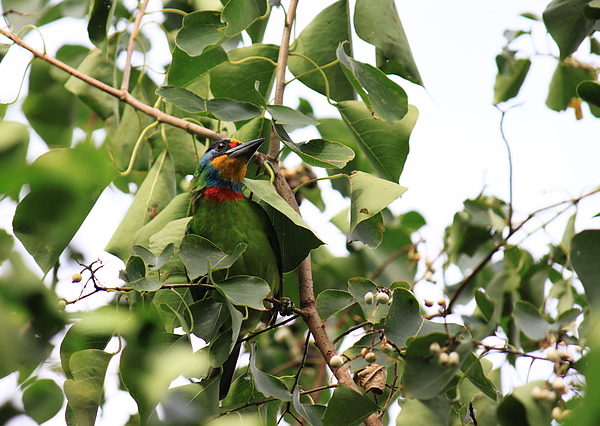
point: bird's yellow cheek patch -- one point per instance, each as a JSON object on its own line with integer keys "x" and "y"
{"x": 230, "y": 169}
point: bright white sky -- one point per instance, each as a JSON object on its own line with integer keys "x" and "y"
{"x": 456, "y": 147}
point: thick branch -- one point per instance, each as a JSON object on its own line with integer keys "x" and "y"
{"x": 120, "y": 94}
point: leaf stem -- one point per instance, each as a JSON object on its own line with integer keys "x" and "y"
{"x": 131, "y": 45}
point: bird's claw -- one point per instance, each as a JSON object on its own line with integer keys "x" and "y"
{"x": 287, "y": 307}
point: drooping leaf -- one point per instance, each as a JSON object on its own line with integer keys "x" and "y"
{"x": 222, "y": 109}
{"x": 566, "y": 23}
{"x": 99, "y": 21}
{"x": 384, "y": 98}
{"x": 563, "y": 86}
{"x": 157, "y": 190}
{"x": 424, "y": 376}
{"x": 245, "y": 291}
{"x": 384, "y": 30}
{"x": 530, "y": 321}
{"x": 14, "y": 141}
{"x": 50, "y": 109}
{"x": 369, "y": 195}
{"x": 286, "y": 222}
{"x": 200, "y": 255}
{"x": 347, "y": 407}
{"x": 373, "y": 312}
{"x": 385, "y": 145}
{"x": 510, "y": 77}
{"x": 237, "y": 79}
{"x": 208, "y": 316}
{"x": 589, "y": 91}
{"x": 201, "y": 31}
{"x": 369, "y": 231}
{"x": 585, "y": 252}
{"x": 405, "y": 320}
{"x": 63, "y": 192}
{"x": 331, "y": 301}
{"x": 285, "y": 115}
{"x": 194, "y": 403}
{"x": 84, "y": 391}
{"x": 318, "y": 42}
{"x": 185, "y": 68}
{"x": 98, "y": 66}
{"x": 313, "y": 413}
{"x": 521, "y": 408}
{"x": 266, "y": 383}
{"x": 239, "y": 14}
{"x": 318, "y": 152}
{"x": 474, "y": 370}
{"x": 42, "y": 400}
{"x": 424, "y": 411}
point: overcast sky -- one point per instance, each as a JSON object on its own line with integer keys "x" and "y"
{"x": 456, "y": 147}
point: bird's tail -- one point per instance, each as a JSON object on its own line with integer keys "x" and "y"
{"x": 227, "y": 371}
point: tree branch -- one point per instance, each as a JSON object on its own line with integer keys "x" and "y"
{"x": 131, "y": 45}
{"x": 122, "y": 95}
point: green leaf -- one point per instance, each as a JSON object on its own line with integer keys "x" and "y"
{"x": 135, "y": 270}
{"x": 589, "y": 91}
{"x": 585, "y": 252}
{"x": 285, "y": 115}
{"x": 222, "y": 109}
{"x": 331, "y": 301}
{"x": 185, "y": 68}
{"x": 370, "y": 195}
{"x": 373, "y": 312}
{"x": 563, "y": 86}
{"x": 405, "y": 320}
{"x": 85, "y": 390}
{"x": 434, "y": 411}
{"x": 239, "y": 80}
{"x": 14, "y": 141}
{"x": 200, "y": 255}
{"x": 200, "y": 32}
{"x": 98, "y": 66}
{"x": 369, "y": 231}
{"x": 239, "y": 14}
{"x": 266, "y": 383}
{"x": 175, "y": 210}
{"x": 100, "y": 21}
{"x": 318, "y": 42}
{"x": 313, "y": 413}
{"x": 42, "y": 400}
{"x": 384, "y": 30}
{"x": 286, "y": 222}
{"x": 473, "y": 369}
{"x": 566, "y": 23}
{"x": 530, "y": 321}
{"x": 155, "y": 192}
{"x": 424, "y": 376}
{"x": 347, "y": 407}
{"x": 50, "y": 109}
{"x": 155, "y": 262}
{"x": 243, "y": 290}
{"x": 520, "y": 408}
{"x": 146, "y": 284}
{"x": 510, "y": 77}
{"x": 194, "y": 403}
{"x": 385, "y": 145}
{"x": 318, "y": 152}
{"x": 63, "y": 191}
{"x": 384, "y": 98}
{"x": 208, "y": 317}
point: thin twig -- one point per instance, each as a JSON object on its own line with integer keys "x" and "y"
{"x": 119, "y": 94}
{"x": 467, "y": 280}
{"x": 131, "y": 45}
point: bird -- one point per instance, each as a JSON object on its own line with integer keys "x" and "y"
{"x": 223, "y": 215}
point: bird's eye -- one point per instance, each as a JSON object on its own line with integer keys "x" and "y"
{"x": 221, "y": 146}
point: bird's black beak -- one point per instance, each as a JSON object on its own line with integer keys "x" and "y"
{"x": 246, "y": 150}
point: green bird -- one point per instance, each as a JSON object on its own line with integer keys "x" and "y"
{"x": 221, "y": 214}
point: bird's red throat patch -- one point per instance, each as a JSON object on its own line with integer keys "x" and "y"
{"x": 220, "y": 194}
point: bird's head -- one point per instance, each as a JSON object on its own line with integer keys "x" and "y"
{"x": 223, "y": 167}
